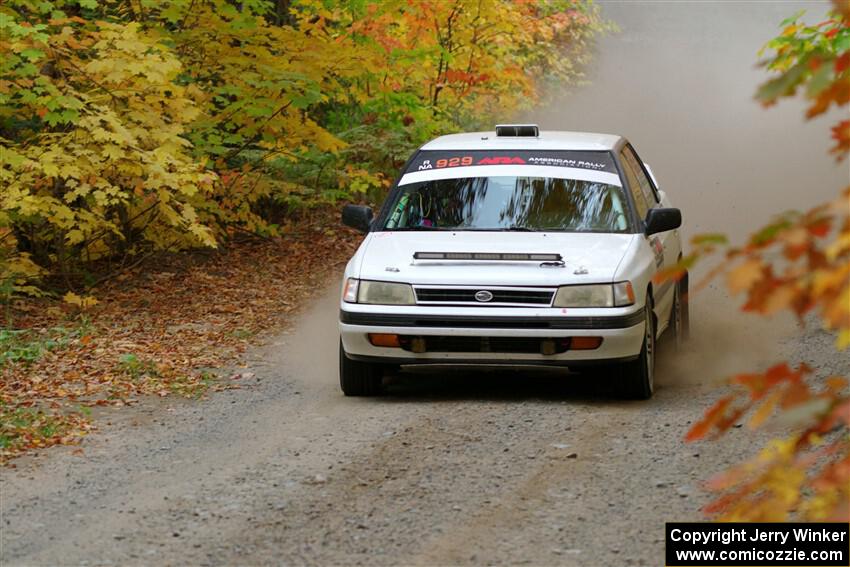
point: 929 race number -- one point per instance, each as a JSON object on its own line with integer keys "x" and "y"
{"x": 454, "y": 162}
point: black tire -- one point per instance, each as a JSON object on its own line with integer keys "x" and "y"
{"x": 636, "y": 379}
{"x": 677, "y": 324}
{"x": 359, "y": 378}
{"x": 686, "y": 310}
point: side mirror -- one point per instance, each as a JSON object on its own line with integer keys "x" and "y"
{"x": 357, "y": 216}
{"x": 662, "y": 220}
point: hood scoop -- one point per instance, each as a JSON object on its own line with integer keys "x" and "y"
{"x": 488, "y": 256}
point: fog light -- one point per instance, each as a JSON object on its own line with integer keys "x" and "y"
{"x": 417, "y": 344}
{"x": 384, "y": 340}
{"x": 585, "y": 343}
{"x": 547, "y": 346}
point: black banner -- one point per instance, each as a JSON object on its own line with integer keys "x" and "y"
{"x": 762, "y": 544}
{"x": 443, "y": 159}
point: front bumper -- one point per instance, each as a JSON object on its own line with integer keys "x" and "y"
{"x": 621, "y": 330}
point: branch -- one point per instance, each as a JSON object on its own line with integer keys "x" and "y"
{"x": 258, "y": 135}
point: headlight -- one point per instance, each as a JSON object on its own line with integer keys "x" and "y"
{"x": 585, "y": 296}
{"x": 619, "y": 294}
{"x": 385, "y": 293}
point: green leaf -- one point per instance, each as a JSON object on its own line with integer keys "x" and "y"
{"x": 820, "y": 80}
{"x": 32, "y": 54}
{"x": 54, "y": 118}
{"x": 768, "y": 233}
{"x": 307, "y": 99}
{"x": 791, "y": 19}
{"x": 784, "y": 85}
{"x": 842, "y": 42}
{"x": 712, "y": 238}
{"x": 70, "y": 116}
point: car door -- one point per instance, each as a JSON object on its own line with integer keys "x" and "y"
{"x": 665, "y": 245}
{"x": 673, "y": 243}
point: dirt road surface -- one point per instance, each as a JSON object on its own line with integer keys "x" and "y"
{"x": 464, "y": 468}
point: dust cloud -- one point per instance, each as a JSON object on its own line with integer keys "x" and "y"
{"x": 678, "y": 81}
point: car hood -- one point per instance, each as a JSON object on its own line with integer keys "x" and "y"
{"x": 588, "y": 257}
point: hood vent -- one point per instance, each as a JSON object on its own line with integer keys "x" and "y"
{"x": 488, "y": 256}
{"x": 517, "y": 131}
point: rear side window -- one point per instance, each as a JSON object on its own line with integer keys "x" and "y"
{"x": 634, "y": 186}
{"x": 646, "y": 187}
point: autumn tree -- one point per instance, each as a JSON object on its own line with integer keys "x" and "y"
{"x": 93, "y": 154}
{"x": 442, "y": 66}
{"x": 799, "y": 262}
{"x": 133, "y": 126}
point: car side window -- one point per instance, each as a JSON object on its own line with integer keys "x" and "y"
{"x": 646, "y": 186}
{"x": 634, "y": 187}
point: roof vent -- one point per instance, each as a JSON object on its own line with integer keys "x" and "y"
{"x": 517, "y": 130}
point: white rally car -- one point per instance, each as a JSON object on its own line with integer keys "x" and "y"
{"x": 517, "y": 247}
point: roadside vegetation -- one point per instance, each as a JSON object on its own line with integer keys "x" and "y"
{"x": 168, "y": 169}
{"x": 801, "y": 263}
{"x": 164, "y": 329}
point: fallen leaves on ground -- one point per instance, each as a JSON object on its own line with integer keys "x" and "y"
{"x": 161, "y": 330}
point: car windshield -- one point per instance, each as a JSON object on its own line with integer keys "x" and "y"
{"x": 508, "y": 203}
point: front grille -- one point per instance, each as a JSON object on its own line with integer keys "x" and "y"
{"x": 454, "y": 296}
{"x": 523, "y": 345}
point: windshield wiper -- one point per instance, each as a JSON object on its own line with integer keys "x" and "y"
{"x": 498, "y": 229}
{"x": 415, "y": 228}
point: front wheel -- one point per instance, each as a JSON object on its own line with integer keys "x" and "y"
{"x": 685, "y": 300}
{"x": 679, "y": 318}
{"x": 635, "y": 379}
{"x": 359, "y": 378}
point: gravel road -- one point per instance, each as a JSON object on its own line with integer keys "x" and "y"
{"x": 464, "y": 468}
{"x": 482, "y": 468}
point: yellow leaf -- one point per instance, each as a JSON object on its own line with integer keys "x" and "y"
{"x": 112, "y": 152}
{"x": 83, "y": 302}
{"x": 790, "y": 30}
{"x": 49, "y": 168}
{"x": 843, "y": 340}
{"x": 75, "y": 236}
{"x": 72, "y": 298}
{"x": 839, "y": 247}
{"x": 54, "y": 312}
{"x": 744, "y": 276}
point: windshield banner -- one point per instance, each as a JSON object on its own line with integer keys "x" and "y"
{"x": 445, "y": 159}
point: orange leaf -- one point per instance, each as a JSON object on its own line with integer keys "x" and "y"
{"x": 781, "y": 298}
{"x": 842, "y": 62}
{"x": 842, "y": 412}
{"x": 745, "y": 275}
{"x": 765, "y": 410}
{"x": 796, "y": 394}
{"x": 836, "y": 384}
{"x": 701, "y": 428}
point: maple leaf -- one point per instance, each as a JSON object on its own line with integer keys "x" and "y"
{"x": 745, "y": 275}
{"x": 789, "y": 478}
